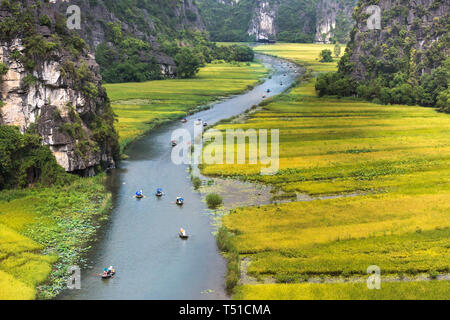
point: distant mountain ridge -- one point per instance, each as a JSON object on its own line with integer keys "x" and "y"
{"x": 322, "y": 21}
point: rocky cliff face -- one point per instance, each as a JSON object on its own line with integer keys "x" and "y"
{"x": 284, "y": 20}
{"x": 54, "y": 90}
{"x": 334, "y": 20}
{"x": 263, "y": 25}
{"x": 142, "y": 20}
{"x": 398, "y": 54}
{"x": 413, "y": 39}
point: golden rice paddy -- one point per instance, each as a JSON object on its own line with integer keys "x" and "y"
{"x": 381, "y": 177}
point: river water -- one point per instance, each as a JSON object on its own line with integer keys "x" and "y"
{"x": 141, "y": 237}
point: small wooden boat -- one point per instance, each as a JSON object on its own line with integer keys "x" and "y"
{"x": 183, "y": 236}
{"x": 205, "y": 124}
{"x": 184, "y": 121}
{"x": 108, "y": 275}
{"x": 139, "y": 194}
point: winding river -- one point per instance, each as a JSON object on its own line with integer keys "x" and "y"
{"x": 140, "y": 239}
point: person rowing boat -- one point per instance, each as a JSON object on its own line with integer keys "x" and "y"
{"x": 108, "y": 272}
{"x": 183, "y": 234}
{"x": 139, "y": 194}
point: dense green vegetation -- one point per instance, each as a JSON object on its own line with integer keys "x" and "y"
{"x": 325, "y": 56}
{"x": 25, "y": 161}
{"x": 166, "y": 23}
{"x": 127, "y": 59}
{"x": 23, "y": 20}
{"x": 296, "y": 21}
{"x": 177, "y": 39}
{"x": 45, "y": 230}
{"x": 392, "y": 67}
{"x": 213, "y": 200}
{"x": 122, "y": 61}
{"x": 225, "y": 22}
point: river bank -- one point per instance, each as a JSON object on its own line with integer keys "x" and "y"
{"x": 142, "y": 107}
{"x": 45, "y": 230}
{"x": 375, "y": 181}
{"x": 141, "y": 238}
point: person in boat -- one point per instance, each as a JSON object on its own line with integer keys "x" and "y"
{"x": 174, "y": 143}
{"x": 180, "y": 200}
{"x": 139, "y": 194}
{"x": 111, "y": 270}
{"x": 159, "y": 192}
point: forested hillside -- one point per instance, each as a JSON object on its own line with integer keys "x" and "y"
{"x": 138, "y": 40}
{"x": 326, "y": 21}
{"x": 405, "y": 62}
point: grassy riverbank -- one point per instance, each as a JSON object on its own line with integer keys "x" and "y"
{"x": 381, "y": 179}
{"x": 142, "y": 106}
{"x": 45, "y": 230}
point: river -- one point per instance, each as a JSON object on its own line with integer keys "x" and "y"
{"x": 141, "y": 237}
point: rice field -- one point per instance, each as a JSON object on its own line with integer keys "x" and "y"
{"x": 372, "y": 187}
{"x": 303, "y": 54}
{"x": 433, "y": 290}
{"x": 142, "y": 106}
{"x": 42, "y": 231}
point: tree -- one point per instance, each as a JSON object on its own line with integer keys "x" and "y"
{"x": 188, "y": 63}
{"x": 243, "y": 53}
{"x": 24, "y": 160}
{"x": 326, "y": 56}
{"x": 3, "y": 69}
{"x": 337, "y": 50}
